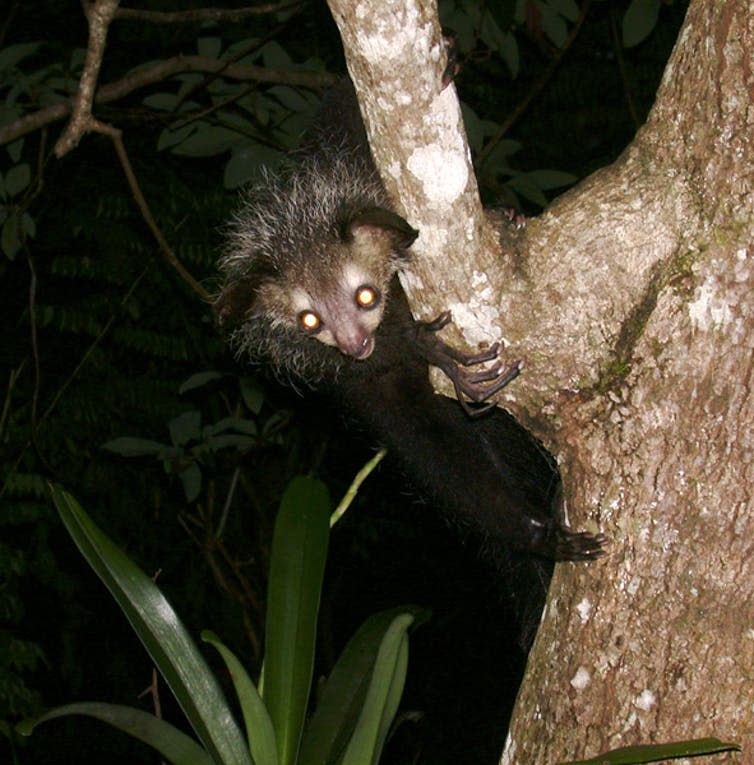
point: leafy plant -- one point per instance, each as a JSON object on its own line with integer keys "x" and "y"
{"x": 633, "y": 755}
{"x": 191, "y": 442}
{"x": 358, "y": 702}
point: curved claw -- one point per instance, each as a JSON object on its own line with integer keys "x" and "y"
{"x": 436, "y": 324}
{"x": 477, "y": 386}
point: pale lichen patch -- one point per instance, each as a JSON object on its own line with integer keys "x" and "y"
{"x": 645, "y": 700}
{"x": 709, "y": 309}
{"x": 581, "y": 679}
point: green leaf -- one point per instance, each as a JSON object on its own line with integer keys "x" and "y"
{"x": 553, "y": 25}
{"x": 200, "y": 379}
{"x": 186, "y": 427}
{"x": 342, "y": 697}
{"x": 299, "y": 550}
{"x": 17, "y": 179}
{"x": 205, "y": 140}
{"x": 639, "y": 21}
{"x": 211, "y": 47}
{"x": 162, "y": 101}
{"x": 170, "y": 138}
{"x": 549, "y": 179}
{"x": 245, "y": 163}
{"x": 9, "y": 240}
{"x": 567, "y": 8}
{"x": 15, "y": 149}
{"x": 191, "y": 479}
{"x": 235, "y": 440}
{"x": 383, "y": 696}
{"x": 259, "y": 731}
{"x": 138, "y": 447}
{"x": 275, "y": 57}
{"x": 252, "y": 394}
{"x": 170, "y": 742}
{"x": 28, "y": 225}
{"x": 521, "y": 184}
{"x": 238, "y": 424}
{"x": 160, "y": 630}
{"x": 12, "y": 54}
{"x": 653, "y": 752}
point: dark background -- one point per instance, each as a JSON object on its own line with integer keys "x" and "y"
{"x": 113, "y": 366}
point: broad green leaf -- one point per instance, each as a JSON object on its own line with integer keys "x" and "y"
{"x": 549, "y": 179}
{"x": 206, "y": 141}
{"x": 17, "y": 179}
{"x": 9, "y": 241}
{"x": 639, "y": 21}
{"x": 211, "y": 47}
{"x": 246, "y": 160}
{"x": 12, "y": 54}
{"x": 171, "y": 743}
{"x": 259, "y": 731}
{"x": 186, "y": 427}
{"x": 238, "y": 424}
{"x": 199, "y": 379}
{"x": 654, "y": 752}
{"x": 161, "y": 101}
{"x": 170, "y": 138}
{"x": 252, "y": 394}
{"x": 275, "y": 57}
{"x": 523, "y": 185}
{"x": 15, "y": 149}
{"x": 553, "y": 25}
{"x": 236, "y": 440}
{"x": 163, "y": 635}
{"x": 383, "y": 696}
{"x": 138, "y": 447}
{"x": 342, "y": 697}
{"x": 299, "y": 550}
{"x": 28, "y": 225}
{"x": 191, "y": 480}
{"x": 567, "y": 8}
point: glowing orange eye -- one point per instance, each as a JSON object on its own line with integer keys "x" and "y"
{"x": 309, "y": 321}
{"x": 367, "y": 297}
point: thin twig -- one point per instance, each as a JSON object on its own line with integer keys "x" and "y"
{"x": 620, "y": 58}
{"x": 361, "y": 476}
{"x": 117, "y": 138}
{"x": 544, "y": 78}
{"x": 150, "y": 75}
{"x": 97, "y": 340}
{"x": 228, "y": 500}
{"x": 12, "y": 380}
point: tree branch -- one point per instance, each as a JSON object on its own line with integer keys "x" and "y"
{"x": 206, "y": 14}
{"x": 144, "y": 76}
{"x": 99, "y": 15}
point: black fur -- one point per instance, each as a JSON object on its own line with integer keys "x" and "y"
{"x": 293, "y": 230}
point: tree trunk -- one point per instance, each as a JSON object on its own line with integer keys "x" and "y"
{"x": 656, "y": 643}
{"x": 631, "y": 301}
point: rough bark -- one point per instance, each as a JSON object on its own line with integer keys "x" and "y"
{"x": 631, "y": 301}
{"x": 656, "y": 642}
{"x": 396, "y": 57}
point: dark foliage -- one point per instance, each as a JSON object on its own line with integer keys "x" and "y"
{"x": 100, "y": 334}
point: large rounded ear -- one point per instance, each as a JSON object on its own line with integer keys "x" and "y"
{"x": 402, "y": 234}
{"x": 238, "y": 302}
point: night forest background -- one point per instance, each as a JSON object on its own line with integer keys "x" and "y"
{"x": 104, "y": 343}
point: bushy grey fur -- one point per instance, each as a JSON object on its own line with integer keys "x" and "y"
{"x": 289, "y": 229}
